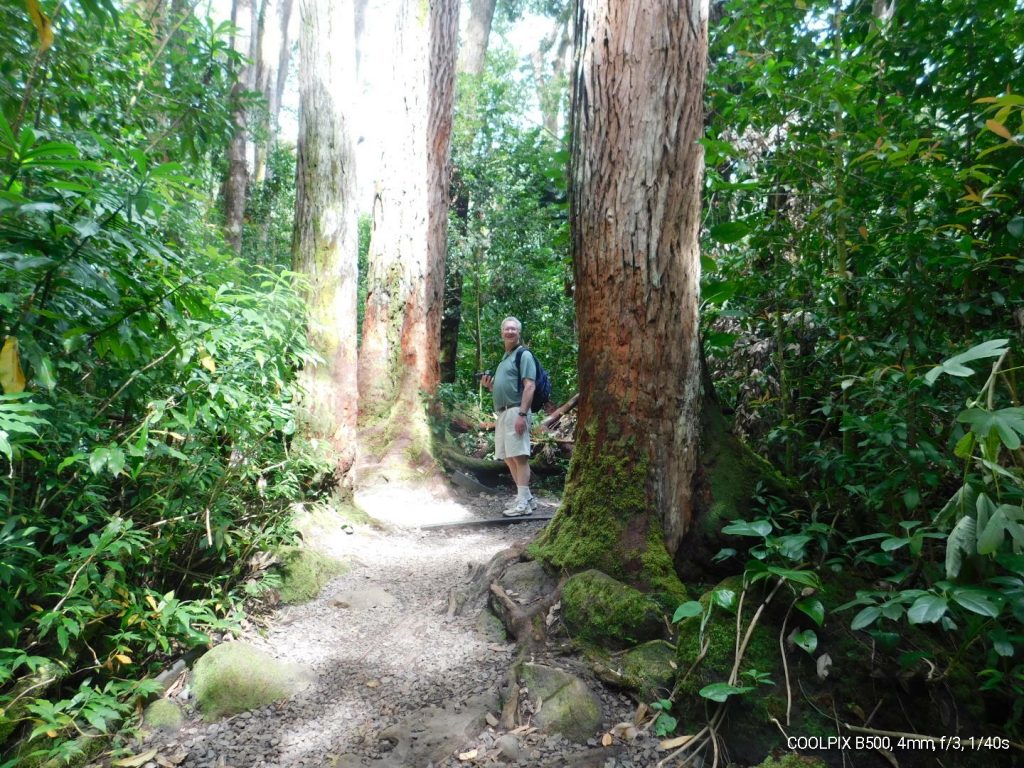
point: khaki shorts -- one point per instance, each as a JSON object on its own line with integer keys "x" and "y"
{"x": 506, "y": 442}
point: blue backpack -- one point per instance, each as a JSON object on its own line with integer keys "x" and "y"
{"x": 542, "y": 393}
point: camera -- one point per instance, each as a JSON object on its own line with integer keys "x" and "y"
{"x": 481, "y": 374}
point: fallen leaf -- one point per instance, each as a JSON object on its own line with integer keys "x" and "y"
{"x": 491, "y": 720}
{"x": 136, "y": 760}
{"x": 824, "y": 664}
{"x": 641, "y": 713}
{"x": 373, "y": 683}
{"x": 607, "y": 740}
{"x": 678, "y": 741}
{"x": 471, "y": 755}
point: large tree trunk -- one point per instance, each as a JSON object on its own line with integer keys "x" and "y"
{"x": 478, "y": 31}
{"x": 398, "y": 359}
{"x": 326, "y": 240}
{"x": 273, "y": 52}
{"x": 636, "y": 195}
{"x": 236, "y": 181}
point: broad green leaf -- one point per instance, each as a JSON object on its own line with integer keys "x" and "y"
{"x": 729, "y": 232}
{"x": 976, "y": 601}
{"x": 866, "y": 617}
{"x": 749, "y": 528}
{"x": 686, "y": 610}
{"x": 927, "y": 609}
{"x": 722, "y": 691}
{"x": 992, "y": 534}
{"x": 965, "y": 446}
{"x": 1007, "y": 422}
{"x": 813, "y": 608}
{"x": 954, "y": 366}
{"x": 808, "y": 640}
{"x": 724, "y": 598}
{"x": 1016, "y": 227}
{"x": 962, "y": 540}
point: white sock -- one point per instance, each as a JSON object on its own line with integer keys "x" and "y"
{"x": 523, "y": 493}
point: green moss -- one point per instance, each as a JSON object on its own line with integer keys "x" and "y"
{"x": 235, "y": 677}
{"x": 733, "y": 471}
{"x": 601, "y": 611}
{"x": 164, "y": 714}
{"x": 647, "y": 670}
{"x": 604, "y": 521}
{"x": 305, "y": 572}
{"x": 761, "y": 654}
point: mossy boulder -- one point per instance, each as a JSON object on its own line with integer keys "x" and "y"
{"x": 235, "y": 677}
{"x": 164, "y": 715}
{"x": 647, "y": 670}
{"x": 305, "y": 572}
{"x": 601, "y": 611}
{"x": 567, "y": 705}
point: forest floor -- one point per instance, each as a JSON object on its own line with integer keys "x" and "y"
{"x": 395, "y": 679}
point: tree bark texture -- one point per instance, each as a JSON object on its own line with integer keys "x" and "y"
{"x": 398, "y": 359}
{"x": 273, "y": 53}
{"x": 237, "y": 180}
{"x": 635, "y": 213}
{"x": 325, "y": 244}
{"x": 473, "y": 52}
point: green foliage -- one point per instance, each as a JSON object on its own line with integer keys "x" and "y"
{"x": 508, "y": 238}
{"x": 147, "y": 420}
{"x": 862, "y": 262}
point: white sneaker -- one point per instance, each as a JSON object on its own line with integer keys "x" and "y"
{"x": 520, "y": 508}
{"x": 534, "y": 503}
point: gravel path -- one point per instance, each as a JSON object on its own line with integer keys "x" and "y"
{"x": 395, "y": 680}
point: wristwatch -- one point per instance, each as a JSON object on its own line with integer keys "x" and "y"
{"x": 521, "y": 413}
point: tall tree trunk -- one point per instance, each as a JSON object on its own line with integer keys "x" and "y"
{"x": 273, "y": 51}
{"x": 473, "y": 51}
{"x": 472, "y": 57}
{"x": 325, "y": 246}
{"x": 636, "y": 172}
{"x": 398, "y": 360}
{"x": 236, "y": 181}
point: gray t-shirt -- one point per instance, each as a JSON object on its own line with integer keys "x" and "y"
{"x": 506, "y": 378}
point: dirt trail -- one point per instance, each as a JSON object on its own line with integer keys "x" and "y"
{"x": 395, "y": 680}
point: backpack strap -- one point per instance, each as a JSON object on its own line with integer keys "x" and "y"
{"x": 519, "y": 375}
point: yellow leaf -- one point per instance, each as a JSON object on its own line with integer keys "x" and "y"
{"x": 11, "y": 377}
{"x": 207, "y": 362}
{"x": 41, "y": 23}
{"x": 678, "y": 741}
{"x": 122, "y": 658}
{"x": 52, "y": 734}
{"x": 998, "y": 129}
{"x": 152, "y": 602}
{"x": 135, "y": 761}
{"x": 606, "y": 740}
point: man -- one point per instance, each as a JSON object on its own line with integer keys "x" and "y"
{"x": 512, "y": 405}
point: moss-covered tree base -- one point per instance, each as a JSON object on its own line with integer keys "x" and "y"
{"x": 605, "y": 524}
{"x": 728, "y": 480}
